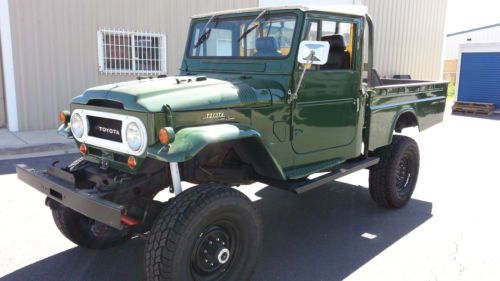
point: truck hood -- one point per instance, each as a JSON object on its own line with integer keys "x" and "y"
{"x": 180, "y": 93}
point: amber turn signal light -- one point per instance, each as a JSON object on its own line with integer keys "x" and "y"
{"x": 163, "y": 135}
{"x": 64, "y": 117}
{"x": 83, "y": 149}
{"x": 131, "y": 162}
{"x": 166, "y": 135}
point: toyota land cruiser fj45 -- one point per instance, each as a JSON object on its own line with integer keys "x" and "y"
{"x": 267, "y": 95}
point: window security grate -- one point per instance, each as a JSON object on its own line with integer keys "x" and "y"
{"x": 131, "y": 52}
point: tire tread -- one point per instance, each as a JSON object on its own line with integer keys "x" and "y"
{"x": 168, "y": 228}
{"x": 382, "y": 173}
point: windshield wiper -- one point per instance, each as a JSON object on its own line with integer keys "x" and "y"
{"x": 254, "y": 26}
{"x": 205, "y": 33}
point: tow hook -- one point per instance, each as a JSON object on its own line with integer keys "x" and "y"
{"x": 128, "y": 220}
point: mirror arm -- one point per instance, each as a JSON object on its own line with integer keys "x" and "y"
{"x": 293, "y": 96}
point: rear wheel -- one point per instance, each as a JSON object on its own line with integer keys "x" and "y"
{"x": 86, "y": 232}
{"x": 206, "y": 233}
{"x": 393, "y": 179}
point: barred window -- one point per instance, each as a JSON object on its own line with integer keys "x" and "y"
{"x": 131, "y": 52}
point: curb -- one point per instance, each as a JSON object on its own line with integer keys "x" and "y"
{"x": 9, "y": 151}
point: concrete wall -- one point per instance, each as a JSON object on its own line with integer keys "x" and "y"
{"x": 453, "y": 41}
{"x": 2, "y": 94}
{"x": 54, "y": 45}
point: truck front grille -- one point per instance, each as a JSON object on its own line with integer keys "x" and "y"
{"x": 103, "y": 128}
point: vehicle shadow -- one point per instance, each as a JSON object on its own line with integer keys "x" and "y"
{"x": 325, "y": 234}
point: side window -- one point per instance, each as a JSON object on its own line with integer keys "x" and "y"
{"x": 341, "y": 37}
{"x": 312, "y": 35}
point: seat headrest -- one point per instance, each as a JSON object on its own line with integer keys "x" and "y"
{"x": 266, "y": 44}
{"x": 336, "y": 41}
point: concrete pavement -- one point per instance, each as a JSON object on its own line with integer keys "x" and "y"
{"x": 33, "y": 143}
{"x": 448, "y": 231}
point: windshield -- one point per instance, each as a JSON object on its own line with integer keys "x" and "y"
{"x": 271, "y": 38}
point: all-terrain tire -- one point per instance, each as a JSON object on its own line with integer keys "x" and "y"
{"x": 184, "y": 242}
{"x": 78, "y": 229}
{"x": 392, "y": 181}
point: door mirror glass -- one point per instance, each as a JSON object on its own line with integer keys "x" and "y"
{"x": 313, "y": 52}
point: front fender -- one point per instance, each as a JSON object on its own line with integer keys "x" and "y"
{"x": 189, "y": 141}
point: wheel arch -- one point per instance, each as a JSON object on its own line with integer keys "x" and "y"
{"x": 405, "y": 118}
{"x": 247, "y": 142}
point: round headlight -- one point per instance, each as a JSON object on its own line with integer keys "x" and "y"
{"x": 77, "y": 126}
{"x": 133, "y": 136}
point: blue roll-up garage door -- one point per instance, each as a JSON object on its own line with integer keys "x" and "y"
{"x": 480, "y": 78}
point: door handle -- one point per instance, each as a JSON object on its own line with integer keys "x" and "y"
{"x": 356, "y": 103}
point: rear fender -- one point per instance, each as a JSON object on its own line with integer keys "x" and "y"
{"x": 383, "y": 123}
{"x": 406, "y": 110}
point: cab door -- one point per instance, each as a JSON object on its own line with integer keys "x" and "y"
{"x": 325, "y": 116}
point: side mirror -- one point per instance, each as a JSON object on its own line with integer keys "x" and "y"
{"x": 313, "y": 52}
{"x": 310, "y": 52}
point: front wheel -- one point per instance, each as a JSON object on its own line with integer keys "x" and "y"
{"x": 206, "y": 233}
{"x": 392, "y": 181}
{"x": 86, "y": 232}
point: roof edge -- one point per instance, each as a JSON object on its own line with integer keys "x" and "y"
{"x": 473, "y": 29}
{"x": 355, "y": 10}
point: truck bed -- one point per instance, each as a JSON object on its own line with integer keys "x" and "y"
{"x": 425, "y": 100}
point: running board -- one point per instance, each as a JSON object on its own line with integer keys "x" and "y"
{"x": 342, "y": 170}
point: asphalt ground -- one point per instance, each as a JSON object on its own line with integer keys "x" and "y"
{"x": 448, "y": 231}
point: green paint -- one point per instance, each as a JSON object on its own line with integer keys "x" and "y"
{"x": 247, "y": 98}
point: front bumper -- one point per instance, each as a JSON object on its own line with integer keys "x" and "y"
{"x": 59, "y": 186}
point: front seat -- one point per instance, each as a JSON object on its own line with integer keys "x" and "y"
{"x": 338, "y": 57}
{"x": 267, "y": 47}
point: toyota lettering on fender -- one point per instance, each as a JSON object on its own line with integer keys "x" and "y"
{"x": 269, "y": 106}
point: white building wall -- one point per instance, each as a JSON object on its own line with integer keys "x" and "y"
{"x": 452, "y": 44}
{"x": 409, "y": 37}
{"x": 52, "y": 55}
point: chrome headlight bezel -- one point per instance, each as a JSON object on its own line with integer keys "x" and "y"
{"x": 121, "y": 147}
{"x": 77, "y": 125}
{"x": 133, "y": 136}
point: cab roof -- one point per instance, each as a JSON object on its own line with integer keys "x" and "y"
{"x": 355, "y": 10}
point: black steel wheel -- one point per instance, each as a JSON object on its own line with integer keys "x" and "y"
{"x": 403, "y": 176}
{"x": 206, "y": 233}
{"x": 393, "y": 179}
{"x": 212, "y": 254}
{"x": 86, "y": 232}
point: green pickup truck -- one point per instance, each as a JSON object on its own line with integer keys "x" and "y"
{"x": 268, "y": 95}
